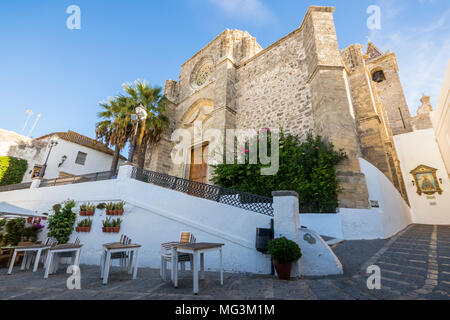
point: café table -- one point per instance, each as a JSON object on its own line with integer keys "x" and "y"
{"x": 29, "y": 252}
{"x": 197, "y": 250}
{"x": 117, "y": 247}
{"x": 52, "y": 261}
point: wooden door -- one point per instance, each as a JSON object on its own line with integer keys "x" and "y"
{"x": 199, "y": 167}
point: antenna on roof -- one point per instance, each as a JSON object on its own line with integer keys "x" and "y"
{"x": 30, "y": 113}
{"x": 34, "y": 124}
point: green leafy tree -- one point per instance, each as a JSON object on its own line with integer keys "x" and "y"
{"x": 284, "y": 250}
{"x": 150, "y": 130}
{"x": 306, "y": 167}
{"x": 12, "y": 170}
{"x": 115, "y": 127}
{"x": 61, "y": 224}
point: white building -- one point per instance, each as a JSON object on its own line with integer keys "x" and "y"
{"x": 72, "y": 155}
{"x": 441, "y": 121}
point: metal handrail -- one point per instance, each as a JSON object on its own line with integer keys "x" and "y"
{"x": 236, "y": 198}
{"x": 92, "y": 177}
{"x": 18, "y": 186}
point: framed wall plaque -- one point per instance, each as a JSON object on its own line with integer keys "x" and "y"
{"x": 426, "y": 180}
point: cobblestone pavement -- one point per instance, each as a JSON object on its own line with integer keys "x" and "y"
{"x": 415, "y": 264}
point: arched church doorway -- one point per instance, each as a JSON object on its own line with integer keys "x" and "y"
{"x": 199, "y": 164}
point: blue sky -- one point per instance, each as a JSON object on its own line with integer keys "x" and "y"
{"x": 63, "y": 74}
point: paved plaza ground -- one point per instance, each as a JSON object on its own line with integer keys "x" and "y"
{"x": 415, "y": 264}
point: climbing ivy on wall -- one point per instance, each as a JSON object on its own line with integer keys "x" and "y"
{"x": 306, "y": 167}
{"x": 60, "y": 224}
{"x": 12, "y": 170}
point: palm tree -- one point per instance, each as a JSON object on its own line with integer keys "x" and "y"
{"x": 155, "y": 103}
{"x": 115, "y": 128}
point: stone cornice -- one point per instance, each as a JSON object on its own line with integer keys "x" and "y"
{"x": 323, "y": 67}
{"x": 377, "y": 117}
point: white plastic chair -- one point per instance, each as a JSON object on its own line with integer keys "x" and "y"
{"x": 166, "y": 254}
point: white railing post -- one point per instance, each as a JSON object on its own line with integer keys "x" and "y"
{"x": 35, "y": 183}
{"x": 286, "y": 219}
{"x": 125, "y": 172}
{"x": 286, "y": 214}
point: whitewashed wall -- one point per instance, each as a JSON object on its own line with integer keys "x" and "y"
{"x": 355, "y": 224}
{"x": 96, "y": 161}
{"x": 154, "y": 215}
{"x": 414, "y": 149}
{"x": 441, "y": 120}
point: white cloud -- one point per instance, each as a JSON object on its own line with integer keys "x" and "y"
{"x": 422, "y": 51}
{"x": 248, "y": 9}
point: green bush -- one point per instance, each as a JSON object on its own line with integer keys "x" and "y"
{"x": 60, "y": 224}
{"x": 284, "y": 250}
{"x": 12, "y": 170}
{"x": 305, "y": 167}
{"x": 14, "y": 231}
{"x": 30, "y": 233}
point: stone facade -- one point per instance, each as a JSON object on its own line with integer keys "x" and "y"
{"x": 423, "y": 119}
{"x": 301, "y": 83}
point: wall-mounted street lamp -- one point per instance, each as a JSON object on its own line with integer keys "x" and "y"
{"x": 63, "y": 159}
{"x": 140, "y": 115}
{"x": 53, "y": 143}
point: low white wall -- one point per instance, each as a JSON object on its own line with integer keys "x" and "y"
{"x": 155, "y": 215}
{"x": 420, "y": 148}
{"x": 356, "y": 224}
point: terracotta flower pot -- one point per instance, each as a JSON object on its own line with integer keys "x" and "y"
{"x": 88, "y": 229}
{"x": 283, "y": 270}
{"x": 104, "y": 229}
{"x": 119, "y": 212}
{"x": 90, "y": 213}
{"x": 77, "y": 229}
{"x": 44, "y": 218}
{"x": 116, "y": 229}
{"x": 109, "y": 212}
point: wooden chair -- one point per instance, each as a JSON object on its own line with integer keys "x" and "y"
{"x": 20, "y": 255}
{"x": 53, "y": 243}
{"x": 5, "y": 255}
{"x": 166, "y": 253}
{"x": 124, "y": 257}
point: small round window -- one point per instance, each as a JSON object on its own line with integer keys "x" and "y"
{"x": 203, "y": 74}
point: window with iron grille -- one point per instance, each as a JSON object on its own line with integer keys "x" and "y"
{"x": 81, "y": 158}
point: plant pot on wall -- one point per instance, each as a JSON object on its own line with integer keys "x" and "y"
{"x": 283, "y": 270}
{"x": 116, "y": 229}
{"x": 87, "y": 213}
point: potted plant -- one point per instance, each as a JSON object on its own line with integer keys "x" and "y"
{"x": 109, "y": 208}
{"x": 87, "y": 210}
{"x": 84, "y": 225}
{"x": 107, "y": 225}
{"x": 116, "y": 225}
{"x": 114, "y": 209}
{"x": 119, "y": 208}
{"x": 283, "y": 253}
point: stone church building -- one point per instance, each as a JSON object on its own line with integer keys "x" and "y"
{"x": 300, "y": 83}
